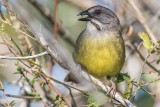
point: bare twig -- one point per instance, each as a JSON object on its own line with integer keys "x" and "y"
{"x": 23, "y": 97}
{"x": 25, "y": 57}
{"x": 141, "y": 73}
{"x": 4, "y": 93}
{"x": 55, "y": 19}
{"x": 142, "y": 20}
{"x": 150, "y": 82}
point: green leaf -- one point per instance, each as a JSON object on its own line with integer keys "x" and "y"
{"x": 43, "y": 84}
{"x": 56, "y": 99}
{"x": 38, "y": 96}
{"x": 12, "y": 103}
{"x": 32, "y": 93}
{"x": 0, "y": 87}
{"x": 121, "y": 77}
{"x": 35, "y": 74}
{"x": 146, "y": 41}
{"x": 158, "y": 61}
{"x": 26, "y": 79}
{"x": 33, "y": 81}
{"x": 128, "y": 90}
{"x": 19, "y": 71}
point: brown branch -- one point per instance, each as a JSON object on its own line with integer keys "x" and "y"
{"x": 4, "y": 93}
{"x": 143, "y": 22}
{"x": 23, "y": 97}
{"x": 55, "y": 19}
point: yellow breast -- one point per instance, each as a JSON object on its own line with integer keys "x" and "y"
{"x": 100, "y": 56}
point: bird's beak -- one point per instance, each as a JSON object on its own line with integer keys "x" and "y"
{"x": 84, "y": 13}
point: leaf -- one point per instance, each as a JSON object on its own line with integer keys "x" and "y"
{"x": 12, "y": 103}
{"x": 38, "y": 96}
{"x": 0, "y": 87}
{"x": 33, "y": 81}
{"x": 56, "y": 99}
{"x": 26, "y": 79}
{"x": 123, "y": 76}
{"x": 43, "y": 84}
{"x": 35, "y": 74}
{"x": 32, "y": 93}
{"x": 158, "y": 61}
{"x": 128, "y": 90}
{"x": 19, "y": 71}
{"x": 146, "y": 41}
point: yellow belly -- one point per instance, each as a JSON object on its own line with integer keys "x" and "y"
{"x": 100, "y": 57}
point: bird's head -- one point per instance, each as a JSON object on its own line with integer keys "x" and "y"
{"x": 101, "y": 18}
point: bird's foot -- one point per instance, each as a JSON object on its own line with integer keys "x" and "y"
{"x": 112, "y": 90}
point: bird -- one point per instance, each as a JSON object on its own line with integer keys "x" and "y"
{"x": 100, "y": 48}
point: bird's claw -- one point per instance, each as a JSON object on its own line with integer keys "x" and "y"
{"x": 112, "y": 90}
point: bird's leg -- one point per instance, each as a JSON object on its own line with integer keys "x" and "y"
{"x": 112, "y": 89}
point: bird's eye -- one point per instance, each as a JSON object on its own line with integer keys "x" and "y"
{"x": 98, "y": 12}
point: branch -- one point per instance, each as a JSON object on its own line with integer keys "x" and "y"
{"x": 143, "y": 22}
{"x": 1, "y": 88}
{"x": 23, "y": 97}
{"x": 25, "y": 57}
{"x": 55, "y": 19}
{"x": 118, "y": 97}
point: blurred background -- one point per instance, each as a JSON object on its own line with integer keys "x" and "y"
{"x": 56, "y": 22}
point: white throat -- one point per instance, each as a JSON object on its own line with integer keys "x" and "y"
{"x": 92, "y": 29}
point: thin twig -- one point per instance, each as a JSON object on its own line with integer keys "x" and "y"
{"x": 4, "y": 93}
{"x": 150, "y": 82}
{"x": 55, "y": 19}
{"x": 61, "y": 82}
{"x": 73, "y": 102}
{"x": 138, "y": 87}
{"x": 24, "y": 57}
{"x": 23, "y": 97}
{"x": 141, "y": 73}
